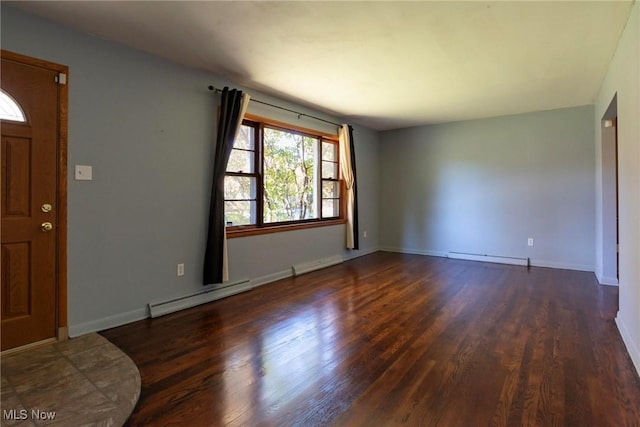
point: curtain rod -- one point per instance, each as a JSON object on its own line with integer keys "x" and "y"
{"x": 215, "y": 89}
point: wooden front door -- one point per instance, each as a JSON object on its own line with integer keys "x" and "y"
{"x": 29, "y": 261}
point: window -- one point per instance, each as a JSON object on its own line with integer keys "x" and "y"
{"x": 9, "y": 108}
{"x": 279, "y": 175}
{"x": 241, "y": 180}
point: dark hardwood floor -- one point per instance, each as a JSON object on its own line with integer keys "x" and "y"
{"x": 390, "y": 339}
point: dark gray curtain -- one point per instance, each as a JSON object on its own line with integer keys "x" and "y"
{"x": 228, "y": 122}
{"x": 356, "y": 234}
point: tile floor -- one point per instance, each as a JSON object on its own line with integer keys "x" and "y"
{"x": 82, "y": 381}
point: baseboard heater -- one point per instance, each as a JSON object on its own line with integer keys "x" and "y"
{"x": 489, "y": 258}
{"x": 188, "y": 301}
{"x": 308, "y": 267}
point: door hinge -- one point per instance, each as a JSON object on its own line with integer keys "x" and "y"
{"x": 61, "y": 79}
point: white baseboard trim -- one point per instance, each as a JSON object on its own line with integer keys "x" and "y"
{"x": 279, "y": 275}
{"x": 413, "y": 251}
{"x": 353, "y": 254}
{"x": 307, "y": 267}
{"x": 489, "y": 258}
{"x": 218, "y": 291}
{"x": 562, "y": 265}
{"x": 108, "y": 322}
{"x": 533, "y": 262}
{"x": 605, "y": 280}
{"x": 268, "y": 278}
{"x": 273, "y": 277}
{"x": 632, "y": 346}
{"x": 144, "y": 313}
{"x": 207, "y": 295}
{"x": 609, "y": 281}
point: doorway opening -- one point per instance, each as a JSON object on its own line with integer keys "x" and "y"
{"x": 610, "y": 234}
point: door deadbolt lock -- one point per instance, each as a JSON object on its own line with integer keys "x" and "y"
{"x": 46, "y": 207}
{"x": 46, "y": 226}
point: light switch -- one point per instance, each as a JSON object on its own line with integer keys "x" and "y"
{"x": 84, "y": 173}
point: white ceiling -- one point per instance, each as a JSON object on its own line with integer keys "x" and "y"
{"x": 383, "y": 64}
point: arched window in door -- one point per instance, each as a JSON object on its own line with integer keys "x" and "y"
{"x": 9, "y": 108}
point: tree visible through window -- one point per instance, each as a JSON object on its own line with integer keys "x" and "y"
{"x": 290, "y": 175}
{"x": 281, "y": 176}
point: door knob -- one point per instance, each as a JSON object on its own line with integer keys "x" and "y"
{"x": 46, "y": 226}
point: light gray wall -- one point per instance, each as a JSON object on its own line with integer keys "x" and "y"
{"x": 623, "y": 80}
{"x": 485, "y": 186}
{"x": 147, "y": 126}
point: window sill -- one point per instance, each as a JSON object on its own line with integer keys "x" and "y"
{"x": 240, "y": 231}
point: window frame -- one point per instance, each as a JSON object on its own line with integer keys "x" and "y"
{"x": 255, "y": 174}
{"x": 261, "y": 227}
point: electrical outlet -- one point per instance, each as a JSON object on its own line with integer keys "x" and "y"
{"x": 180, "y": 270}
{"x": 530, "y": 241}
{"x": 364, "y": 234}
